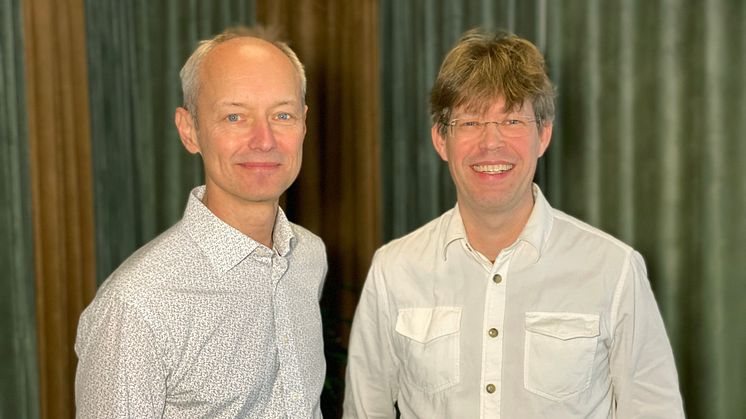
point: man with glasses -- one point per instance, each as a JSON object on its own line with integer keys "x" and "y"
{"x": 504, "y": 307}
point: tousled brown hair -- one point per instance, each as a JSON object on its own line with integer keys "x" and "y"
{"x": 484, "y": 66}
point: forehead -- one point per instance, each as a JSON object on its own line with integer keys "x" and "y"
{"x": 248, "y": 66}
{"x": 492, "y": 106}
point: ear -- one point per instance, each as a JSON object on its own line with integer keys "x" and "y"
{"x": 305, "y": 116}
{"x": 187, "y": 131}
{"x": 439, "y": 141}
{"x": 544, "y": 138}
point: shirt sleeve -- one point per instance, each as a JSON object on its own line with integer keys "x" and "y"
{"x": 642, "y": 365}
{"x": 324, "y": 271}
{"x": 371, "y": 383}
{"x": 120, "y": 373}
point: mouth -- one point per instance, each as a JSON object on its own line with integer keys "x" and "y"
{"x": 259, "y": 165}
{"x": 491, "y": 169}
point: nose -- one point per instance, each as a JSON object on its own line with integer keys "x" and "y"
{"x": 261, "y": 137}
{"x": 491, "y": 137}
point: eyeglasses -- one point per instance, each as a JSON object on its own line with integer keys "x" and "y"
{"x": 468, "y": 129}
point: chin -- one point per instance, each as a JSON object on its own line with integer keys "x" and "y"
{"x": 259, "y": 198}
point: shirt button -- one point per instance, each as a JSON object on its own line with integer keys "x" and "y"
{"x": 490, "y": 388}
{"x": 497, "y": 278}
{"x": 492, "y": 332}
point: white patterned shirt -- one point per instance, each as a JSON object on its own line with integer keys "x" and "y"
{"x": 562, "y": 325}
{"x": 205, "y": 322}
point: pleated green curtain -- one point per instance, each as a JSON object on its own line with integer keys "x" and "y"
{"x": 647, "y": 146}
{"x": 652, "y": 104}
{"x": 141, "y": 172}
{"x": 19, "y": 384}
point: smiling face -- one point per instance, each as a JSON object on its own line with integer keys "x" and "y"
{"x": 251, "y": 123}
{"x": 493, "y": 174}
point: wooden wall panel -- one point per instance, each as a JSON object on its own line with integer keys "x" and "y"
{"x": 337, "y": 194}
{"x": 59, "y": 141}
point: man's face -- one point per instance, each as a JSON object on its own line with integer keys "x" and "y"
{"x": 251, "y": 123}
{"x": 493, "y": 173}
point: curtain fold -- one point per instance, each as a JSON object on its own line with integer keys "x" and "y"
{"x": 19, "y": 383}
{"x": 647, "y": 145}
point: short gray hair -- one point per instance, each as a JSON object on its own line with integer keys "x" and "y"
{"x": 190, "y": 71}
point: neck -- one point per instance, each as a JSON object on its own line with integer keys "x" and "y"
{"x": 490, "y": 233}
{"x": 254, "y": 219}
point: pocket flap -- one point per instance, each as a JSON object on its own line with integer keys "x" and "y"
{"x": 426, "y": 324}
{"x": 563, "y": 325}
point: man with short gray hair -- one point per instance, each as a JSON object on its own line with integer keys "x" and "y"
{"x": 218, "y": 316}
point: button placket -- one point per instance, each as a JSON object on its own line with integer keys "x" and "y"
{"x": 494, "y": 322}
{"x": 290, "y": 371}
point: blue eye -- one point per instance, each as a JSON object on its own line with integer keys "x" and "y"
{"x": 234, "y": 117}
{"x": 285, "y": 118}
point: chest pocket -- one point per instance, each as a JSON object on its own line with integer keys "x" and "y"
{"x": 559, "y": 353}
{"x": 430, "y": 346}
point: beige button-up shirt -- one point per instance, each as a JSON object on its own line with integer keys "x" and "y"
{"x": 205, "y": 322}
{"x": 562, "y": 325}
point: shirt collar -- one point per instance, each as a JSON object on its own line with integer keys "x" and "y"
{"x": 535, "y": 233}
{"x": 454, "y": 230}
{"x": 539, "y": 225}
{"x": 224, "y": 245}
{"x": 283, "y": 238}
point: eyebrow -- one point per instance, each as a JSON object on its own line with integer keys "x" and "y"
{"x": 291, "y": 102}
{"x": 477, "y": 114}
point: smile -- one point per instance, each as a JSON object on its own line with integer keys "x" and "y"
{"x": 259, "y": 165}
{"x": 492, "y": 168}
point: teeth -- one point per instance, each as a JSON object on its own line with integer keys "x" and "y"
{"x": 492, "y": 168}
